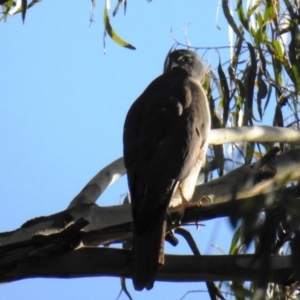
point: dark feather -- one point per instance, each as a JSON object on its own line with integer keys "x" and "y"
{"x": 165, "y": 134}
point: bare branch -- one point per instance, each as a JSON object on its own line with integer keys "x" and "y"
{"x": 254, "y": 134}
{"x": 249, "y": 180}
{"x": 111, "y": 173}
{"x": 98, "y": 218}
{"x": 246, "y": 181}
{"x": 99, "y": 183}
{"x": 87, "y": 262}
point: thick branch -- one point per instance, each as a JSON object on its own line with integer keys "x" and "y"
{"x": 251, "y": 180}
{"x": 245, "y": 181}
{"x": 254, "y": 134}
{"x": 87, "y": 262}
{"x": 99, "y": 183}
{"x": 92, "y": 191}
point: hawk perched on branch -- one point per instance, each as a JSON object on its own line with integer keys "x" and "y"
{"x": 165, "y": 143}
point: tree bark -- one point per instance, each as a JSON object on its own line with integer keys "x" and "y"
{"x": 87, "y": 262}
{"x": 244, "y": 182}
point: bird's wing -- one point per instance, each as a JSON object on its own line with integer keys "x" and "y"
{"x": 163, "y": 133}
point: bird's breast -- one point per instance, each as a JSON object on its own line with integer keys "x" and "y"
{"x": 187, "y": 186}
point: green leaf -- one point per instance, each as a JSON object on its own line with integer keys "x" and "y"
{"x": 6, "y": 8}
{"x": 268, "y": 97}
{"x": 259, "y": 35}
{"x": 278, "y": 50}
{"x": 9, "y": 4}
{"x": 225, "y": 93}
{"x": 259, "y": 19}
{"x": 277, "y": 66}
{"x": 241, "y": 88}
{"x": 111, "y": 32}
{"x": 271, "y": 12}
{"x": 249, "y": 153}
{"x": 218, "y": 159}
{"x": 230, "y": 20}
{"x": 262, "y": 59}
{"x": 241, "y": 15}
{"x": 261, "y": 93}
{"x": 249, "y": 86}
{"x": 236, "y": 54}
{"x": 252, "y": 9}
{"x": 294, "y": 50}
{"x": 235, "y": 241}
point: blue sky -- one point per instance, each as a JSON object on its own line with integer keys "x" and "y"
{"x": 63, "y": 104}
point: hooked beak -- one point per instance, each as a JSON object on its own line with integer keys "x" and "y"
{"x": 174, "y": 65}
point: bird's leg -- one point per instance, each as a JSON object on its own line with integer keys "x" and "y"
{"x": 184, "y": 203}
{"x": 187, "y": 204}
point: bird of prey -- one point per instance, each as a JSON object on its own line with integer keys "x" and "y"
{"x": 165, "y": 143}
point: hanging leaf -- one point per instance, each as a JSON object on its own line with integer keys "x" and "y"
{"x": 236, "y": 54}
{"x": 216, "y": 82}
{"x": 21, "y": 6}
{"x": 252, "y": 9}
{"x": 230, "y": 19}
{"x": 33, "y": 2}
{"x": 208, "y": 89}
{"x": 261, "y": 92}
{"x": 249, "y": 86}
{"x": 111, "y": 32}
{"x": 231, "y": 73}
{"x": 119, "y": 4}
{"x": 278, "y": 121}
{"x": 294, "y": 46}
{"x": 24, "y": 9}
{"x": 279, "y": 51}
{"x": 239, "y": 92}
{"x": 249, "y": 153}
{"x": 259, "y": 20}
{"x": 219, "y": 159}
{"x": 277, "y": 67}
{"x": 270, "y": 12}
{"x": 241, "y": 87}
{"x": 262, "y": 58}
{"x": 6, "y": 8}
{"x": 268, "y": 97}
{"x": 225, "y": 93}
{"x": 279, "y": 60}
{"x": 241, "y": 14}
{"x": 278, "y": 117}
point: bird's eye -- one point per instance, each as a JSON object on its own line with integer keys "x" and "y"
{"x": 186, "y": 59}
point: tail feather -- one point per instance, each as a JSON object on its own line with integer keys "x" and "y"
{"x": 148, "y": 254}
{"x": 149, "y": 219}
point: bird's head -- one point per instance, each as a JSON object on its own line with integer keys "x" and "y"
{"x": 186, "y": 61}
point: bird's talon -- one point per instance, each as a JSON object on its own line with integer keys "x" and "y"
{"x": 203, "y": 199}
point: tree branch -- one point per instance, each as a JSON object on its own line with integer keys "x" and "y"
{"x": 244, "y": 182}
{"x": 251, "y": 180}
{"x": 87, "y": 262}
{"x": 97, "y": 185}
